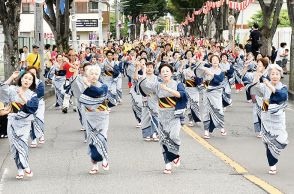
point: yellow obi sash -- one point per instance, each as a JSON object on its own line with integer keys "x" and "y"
{"x": 101, "y": 107}
{"x": 167, "y": 102}
{"x": 265, "y": 105}
{"x": 190, "y": 83}
{"x": 206, "y": 84}
{"x": 16, "y": 106}
{"x": 109, "y": 73}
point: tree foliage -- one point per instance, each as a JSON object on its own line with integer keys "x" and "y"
{"x": 283, "y": 20}
{"x": 179, "y": 8}
{"x": 154, "y": 9}
{"x": 112, "y": 23}
{"x": 58, "y": 21}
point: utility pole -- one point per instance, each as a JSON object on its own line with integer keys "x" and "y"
{"x": 73, "y": 26}
{"x": 117, "y": 21}
{"x": 39, "y": 34}
{"x": 100, "y": 20}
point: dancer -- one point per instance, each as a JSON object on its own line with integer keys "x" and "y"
{"x": 38, "y": 126}
{"x": 95, "y": 103}
{"x": 213, "y": 115}
{"x": 24, "y": 103}
{"x": 171, "y": 98}
{"x": 273, "y": 117}
{"x": 150, "y": 104}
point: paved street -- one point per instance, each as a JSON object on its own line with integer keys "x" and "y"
{"x": 62, "y": 164}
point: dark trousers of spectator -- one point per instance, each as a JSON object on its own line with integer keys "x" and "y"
{"x": 3, "y": 125}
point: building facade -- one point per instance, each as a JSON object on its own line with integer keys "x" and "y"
{"x": 86, "y": 15}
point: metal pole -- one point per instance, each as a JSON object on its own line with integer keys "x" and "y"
{"x": 100, "y": 20}
{"x": 73, "y": 25}
{"x": 39, "y": 35}
{"x": 117, "y": 20}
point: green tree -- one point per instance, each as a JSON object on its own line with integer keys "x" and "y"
{"x": 154, "y": 9}
{"x": 160, "y": 25}
{"x": 123, "y": 30}
{"x": 270, "y": 17}
{"x": 58, "y": 21}
{"x": 283, "y": 20}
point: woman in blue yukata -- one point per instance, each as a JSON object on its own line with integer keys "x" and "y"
{"x": 149, "y": 123}
{"x": 94, "y": 102}
{"x": 38, "y": 126}
{"x": 172, "y": 100}
{"x": 273, "y": 117}
{"x": 213, "y": 114}
{"x": 24, "y": 103}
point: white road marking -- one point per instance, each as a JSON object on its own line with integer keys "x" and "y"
{"x": 5, "y": 172}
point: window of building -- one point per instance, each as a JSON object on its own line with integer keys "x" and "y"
{"x": 27, "y": 8}
{"x": 93, "y": 6}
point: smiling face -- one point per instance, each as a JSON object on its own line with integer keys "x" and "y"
{"x": 215, "y": 61}
{"x": 189, "y": 55}
{"x": 275, "y": 76}
{"x": 59, "y": 58}
{"x": 92, "y": 75}
{"x": 109, "y": 56}
{"x": 27, "y": 80}
{"x": 115, "y": 56}
{"x": 149, "y": 69}
{"x": 224, "y": 58}
{"x": 165, "y": 74}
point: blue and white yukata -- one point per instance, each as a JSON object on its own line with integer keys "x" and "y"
{"x": 149, "y": 123}
{"x": 213, "y": 115}
{"x": 169, "y": 122}
{"x": 192, "y": 84}
{"x": 95, "y": 104}
{"x": 273, "y": 119}
{"x": 229, "y": 71}
{"x": 19, "y": 123}
{"x": 58, "y": 81}
{"x": 109, "y": 76}
{"x": 135, "y": 94}
{"x": 38, "y": 126}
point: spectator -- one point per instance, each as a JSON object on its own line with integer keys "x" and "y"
{"x": 274, "y": 54}
{"x": 255, "y": 36}
{"x": 54, "y": 53}
{"x": 33, "y": 59}
{"x": 280, "y": 54}
{"x": 285, "y": 61}
{"x": 23, "y": 57}
{"x": 248, "y": 46}
{"x": 47, "y": 61}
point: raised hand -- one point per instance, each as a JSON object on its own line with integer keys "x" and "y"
{"x": 15, "y": 74}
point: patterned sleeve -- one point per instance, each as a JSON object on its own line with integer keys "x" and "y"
{"x": 147, "y": 87}
{"x": 40, "y": 90}
{"x": 31, "y": 106}
{"x": 259, "y": 90}
{"x": 96, "y": 92}
{"x": 280, "y": 96}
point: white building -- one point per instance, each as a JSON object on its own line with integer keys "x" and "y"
{"x": 87, "y": 22}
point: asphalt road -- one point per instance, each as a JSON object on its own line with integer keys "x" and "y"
{"x": 61, "y": 165}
